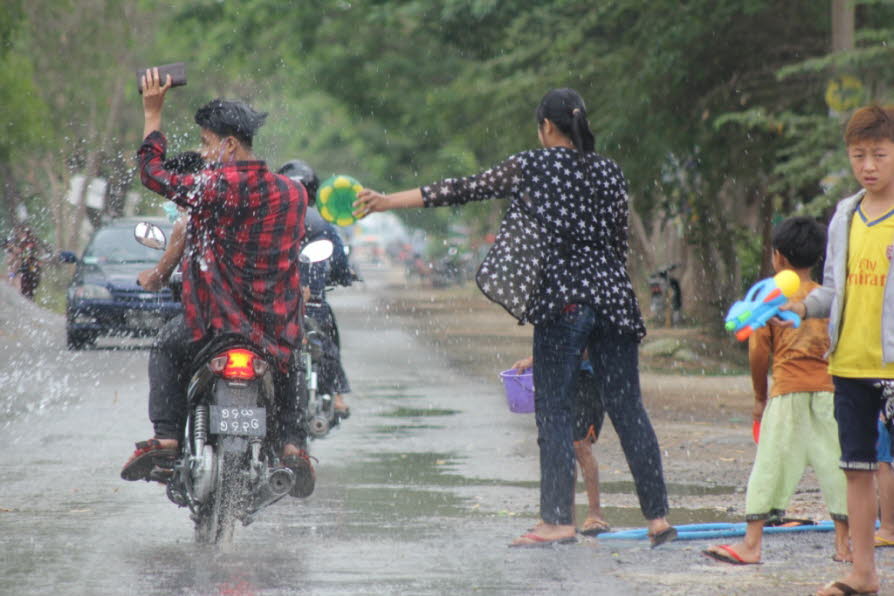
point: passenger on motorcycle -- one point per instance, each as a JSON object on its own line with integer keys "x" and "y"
{"x": 188, "y": 162}
{"x": 314, "y": 279}
{"x": 240, "y": 271}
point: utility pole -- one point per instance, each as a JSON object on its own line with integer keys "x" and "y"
{"x": 842, "y": 25}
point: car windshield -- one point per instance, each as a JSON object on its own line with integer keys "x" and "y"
{"x": 116, "y": 244}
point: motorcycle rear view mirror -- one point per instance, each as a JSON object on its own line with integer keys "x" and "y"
{"x": 316, "y": 251}
{"x": 150, "y": 235}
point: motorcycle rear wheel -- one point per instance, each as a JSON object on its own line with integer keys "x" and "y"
{"x": 216, "y": 520}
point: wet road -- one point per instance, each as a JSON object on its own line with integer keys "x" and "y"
{"x": 419, "y": 493}
{"x": 415, "y": 495}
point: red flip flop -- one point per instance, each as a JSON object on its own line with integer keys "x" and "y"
{"x": 540, "y": 541}
{"x": 148, "y": 455}
{"x": 730, "y": 556}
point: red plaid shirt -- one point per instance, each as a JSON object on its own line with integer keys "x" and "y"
{"x": 240, "y": 267}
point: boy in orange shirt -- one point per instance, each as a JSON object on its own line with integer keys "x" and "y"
{"x": 800, "y": 405}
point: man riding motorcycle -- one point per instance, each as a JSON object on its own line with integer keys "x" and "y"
{"x": 240, "y": 271}
{"x": 314, "y": 279}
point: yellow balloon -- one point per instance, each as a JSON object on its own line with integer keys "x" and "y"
{"x": 788, "y": 282}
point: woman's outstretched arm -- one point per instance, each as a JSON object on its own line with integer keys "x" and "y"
{"x": 369, "y": 201}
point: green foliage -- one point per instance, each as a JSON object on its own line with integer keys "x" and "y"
{"x": 25, "y": 114}
{"x": 809, "y": 168}
{"x": 708, "y": 105}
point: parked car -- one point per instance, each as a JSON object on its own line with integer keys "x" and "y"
{"x": 104, "y": 298}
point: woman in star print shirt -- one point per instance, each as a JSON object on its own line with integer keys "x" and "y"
{"x": 560, "y": 262}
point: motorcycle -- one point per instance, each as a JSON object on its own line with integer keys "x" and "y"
{"x": 666, "y": 302}
{"x": 228, "y": 468}
{"x": 454, "y": 268}
{"x": 319, "y": 407}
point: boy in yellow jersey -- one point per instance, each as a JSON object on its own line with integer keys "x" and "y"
{"x": 858, "y": 298}
{"x": 799, "y": 404}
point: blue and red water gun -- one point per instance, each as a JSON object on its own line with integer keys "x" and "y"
{"x": 762, "y": 302}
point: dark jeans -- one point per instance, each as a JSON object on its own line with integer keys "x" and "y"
{"x": 170, "y": 363}
{"x": 332, "y": 378}
{"x": 558, "y": 346}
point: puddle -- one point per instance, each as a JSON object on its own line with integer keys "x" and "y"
{"x": 401, "y": 430}
{"x": 419, "y": 412}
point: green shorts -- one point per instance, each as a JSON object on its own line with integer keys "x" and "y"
{"x": 797, "y": 429}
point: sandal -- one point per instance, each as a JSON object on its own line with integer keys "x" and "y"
{"x": 532, "y": 540}
{"x": 595, "y": 527}
{"x": 148, "y": 455}
{"x": 669, "y": 534}
{"x": 305, "y": 476}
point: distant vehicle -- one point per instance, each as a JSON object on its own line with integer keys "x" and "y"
{"x": 104, "y": 298}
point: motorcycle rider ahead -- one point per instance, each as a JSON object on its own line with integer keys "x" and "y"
{"x": 314, "y": 279}
{"x": 240, "y": 271}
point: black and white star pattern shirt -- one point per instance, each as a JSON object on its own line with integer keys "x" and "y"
{"x": 564, "y": 237}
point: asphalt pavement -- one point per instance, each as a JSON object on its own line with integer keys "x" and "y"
{"x": 419, "y": 492}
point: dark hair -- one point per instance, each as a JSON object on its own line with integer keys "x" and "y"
{"x": 228, "y": 118}
{"x": 188, "y": 162}
{"x": 565, "y": 108}
{"x": 301, "y": 172}
{"x": 801, "y": 240}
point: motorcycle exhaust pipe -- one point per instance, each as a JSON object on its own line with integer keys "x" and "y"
{"x": 318, "y": 426}
{"x": 281, "y": 481}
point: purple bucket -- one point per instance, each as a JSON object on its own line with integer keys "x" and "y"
{"x": 519, "y": 390}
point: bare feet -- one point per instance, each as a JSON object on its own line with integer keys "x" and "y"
{"x": 857, "y": 585}
{"x": 339, "y": 405}
{"x": 843, "y": 555}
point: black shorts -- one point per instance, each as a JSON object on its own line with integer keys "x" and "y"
{"x": 589, "y": 412}
{"x": 857, "y": 405}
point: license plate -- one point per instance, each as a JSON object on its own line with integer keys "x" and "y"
{"x": 250, "y": 422}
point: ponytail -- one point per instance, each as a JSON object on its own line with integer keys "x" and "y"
{"x": 565, "y": 108}
{"x": 581, "y": 135}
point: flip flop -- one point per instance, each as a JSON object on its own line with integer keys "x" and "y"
{"x": 537, "y": 541}
{"x": 846, "y": 590}
{"x": 663, "y": 536}
{"x": 595, "y": 529}
{"x": 147, "y": 456}
{"x": 882, "y": 543}
{"x": 728, "y": 556}
{"x": 305, "y": 476}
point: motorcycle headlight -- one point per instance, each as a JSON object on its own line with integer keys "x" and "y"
{"x": 90, "y": 292}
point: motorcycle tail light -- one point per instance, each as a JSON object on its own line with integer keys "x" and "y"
{"x": 238, "y": 364}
